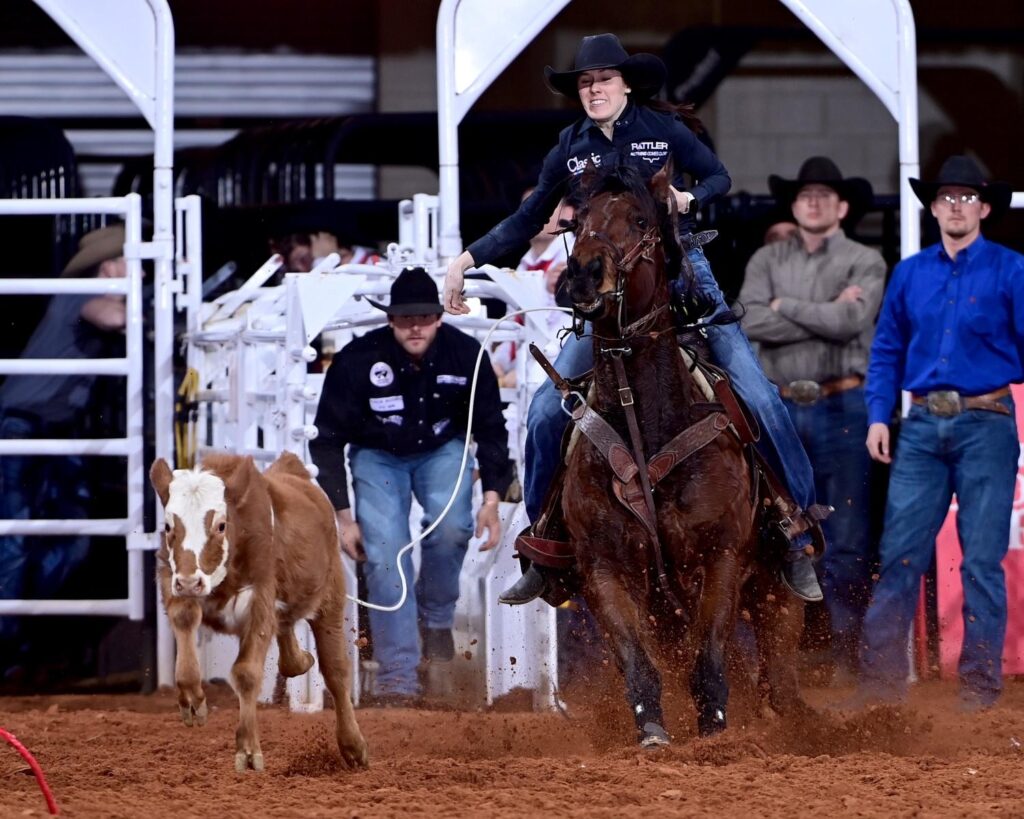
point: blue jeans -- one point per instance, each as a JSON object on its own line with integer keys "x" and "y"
{"x": 833, "y": 431}
{"x": 384, "y": 485}
{"x": 730, "y": 350}
{"x": 37, "y": 487}
{"x": 974, "y": 455}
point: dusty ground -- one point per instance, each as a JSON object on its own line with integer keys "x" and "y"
{"x": 129, "y": 756}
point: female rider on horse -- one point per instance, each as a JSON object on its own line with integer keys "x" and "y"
{"x": 622, "y": 123}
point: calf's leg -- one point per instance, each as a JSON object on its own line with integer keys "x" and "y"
{"x": 246, "y": 678}
{"x": 293, "y": 660}
{"x": 329, "y": 633}
{"x": 185, "y": 616}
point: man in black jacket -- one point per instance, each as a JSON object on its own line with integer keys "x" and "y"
{"x": 398, "y": 397}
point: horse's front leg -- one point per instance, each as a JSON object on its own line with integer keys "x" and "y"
{"x": 709, "y": 684}
{"x": 617, "y": 612}
{"x": 185, "y": 616}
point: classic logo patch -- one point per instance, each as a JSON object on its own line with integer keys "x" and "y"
{"x": 452, "y": 379}
{"x": 391, "y": 419}
{"x": 381, "y": 374}
{"x": 389, "y": 403}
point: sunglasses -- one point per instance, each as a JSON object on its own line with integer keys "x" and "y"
{"x": 962, "y": 199}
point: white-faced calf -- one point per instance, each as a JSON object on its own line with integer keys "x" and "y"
{"x": 251, "y": 554}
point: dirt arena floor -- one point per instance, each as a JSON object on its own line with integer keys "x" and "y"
{"x": 129, "y": 756}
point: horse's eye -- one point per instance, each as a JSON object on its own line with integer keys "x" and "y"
{"x": 641, "y": 222}
{"x": 222, "y": 527}
{"x": 167, "y": 527}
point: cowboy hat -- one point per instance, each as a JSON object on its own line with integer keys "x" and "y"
{"x": 414, "y": 293}
{"x": 963, "y": 172}
{"x": 820, "y": 170}
{"x": 644, "y": 73}
{"x": 96, "y": 247}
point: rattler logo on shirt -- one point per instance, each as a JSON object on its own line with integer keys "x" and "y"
{"x": 381, "y": 374}
{"x": 649, "y": 150}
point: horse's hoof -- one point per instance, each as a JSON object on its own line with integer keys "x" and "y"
{"x": 245, "y": 760}
{"x": 186, "y": 714}
{"x": 711, "y": 721}
{"x": 653, "y": 736}
{"x": 200, "y": 714}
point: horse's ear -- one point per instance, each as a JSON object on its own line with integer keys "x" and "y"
{"x": 237, "y": 483}
{"x": 160, "y": 476}
{"x": 661, "y": 181}
{"x": 587, "y": 180}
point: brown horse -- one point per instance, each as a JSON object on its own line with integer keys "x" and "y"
{"x": 668, "y": 540}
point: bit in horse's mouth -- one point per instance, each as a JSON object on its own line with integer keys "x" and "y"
{"x": 590, "y": 308}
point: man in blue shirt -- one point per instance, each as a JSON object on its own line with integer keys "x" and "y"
{"x": 950, "y": 333}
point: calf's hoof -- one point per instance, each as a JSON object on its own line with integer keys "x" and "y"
{"x": 193, "y": 715}
{"x": 354, "y": 752}
{"x": 711, "y": 720}
{"x": 653, "y": 736}
{"x": 246, "y": 759}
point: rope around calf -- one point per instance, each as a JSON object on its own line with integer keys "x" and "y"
{"x": 51, "y": 803}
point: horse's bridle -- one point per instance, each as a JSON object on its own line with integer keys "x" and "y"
{"x": 624, "y": 262}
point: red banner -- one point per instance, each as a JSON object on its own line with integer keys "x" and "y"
{"x": 950, "y": 591}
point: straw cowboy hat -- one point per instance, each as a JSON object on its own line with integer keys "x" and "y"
{"x": 963, "y": 172}
{"x": 95, "y": 247}
{"x": 644, "y": 73}
{"x": 414, "y": 293}
{"x": 820, "y": 170}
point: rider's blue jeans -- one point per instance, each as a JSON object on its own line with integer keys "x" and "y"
{"x": 730, "y": 350}
{"x": 384, "y": 485}
{"x": 973, "y": 454}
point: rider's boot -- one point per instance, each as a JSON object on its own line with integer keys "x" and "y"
{"x": 798, "y": 573}
{"x": 526, "y": 589}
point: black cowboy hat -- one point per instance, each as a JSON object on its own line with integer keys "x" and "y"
{"x": 962, "y": 171}
{"x": 644, "y": 73}
{"x": 414, "y": 293}
{"x": 820, "y": 170}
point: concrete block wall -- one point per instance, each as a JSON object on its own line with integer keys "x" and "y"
{"x": 771, "y": 124}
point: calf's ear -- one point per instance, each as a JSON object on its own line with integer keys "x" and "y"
{"x": 160, "y": 476}
{"x": 237, "y": 483}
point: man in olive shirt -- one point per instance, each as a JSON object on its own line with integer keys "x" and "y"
{"x": 810, "y": 303}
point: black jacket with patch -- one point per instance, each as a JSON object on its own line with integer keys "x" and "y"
{"x": 375, "y": 396}
{"x": 642, "y": 137}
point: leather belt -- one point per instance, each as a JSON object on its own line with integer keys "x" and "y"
{"x": 948, "y": 403}
{"x": 807, "y": 392}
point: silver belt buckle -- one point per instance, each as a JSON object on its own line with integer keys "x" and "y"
{"x": 804, "y": 392}
{"x": 944, "y": 403}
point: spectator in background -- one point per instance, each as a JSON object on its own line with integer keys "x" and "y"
{"x": 51, "y": 406}
{"x": 297, "y": 251}
{"x": 811, "y": 301}
{"x": 779, "y": 232}
{"x": 951, "y": 332}
{"x": 546, "y": 259}
{"x": 398, "y": 399}
{"x": 324, "y": 243}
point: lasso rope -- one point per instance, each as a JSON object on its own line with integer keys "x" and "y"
{"x": 51, "y": 803}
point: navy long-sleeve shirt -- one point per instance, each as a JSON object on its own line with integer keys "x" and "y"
{"x": 948, "y": 325}
{"x": 642, "y": 136}
{"x": 376, "y": 396}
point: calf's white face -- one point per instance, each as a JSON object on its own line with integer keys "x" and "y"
{"x": 195, "y": 533}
